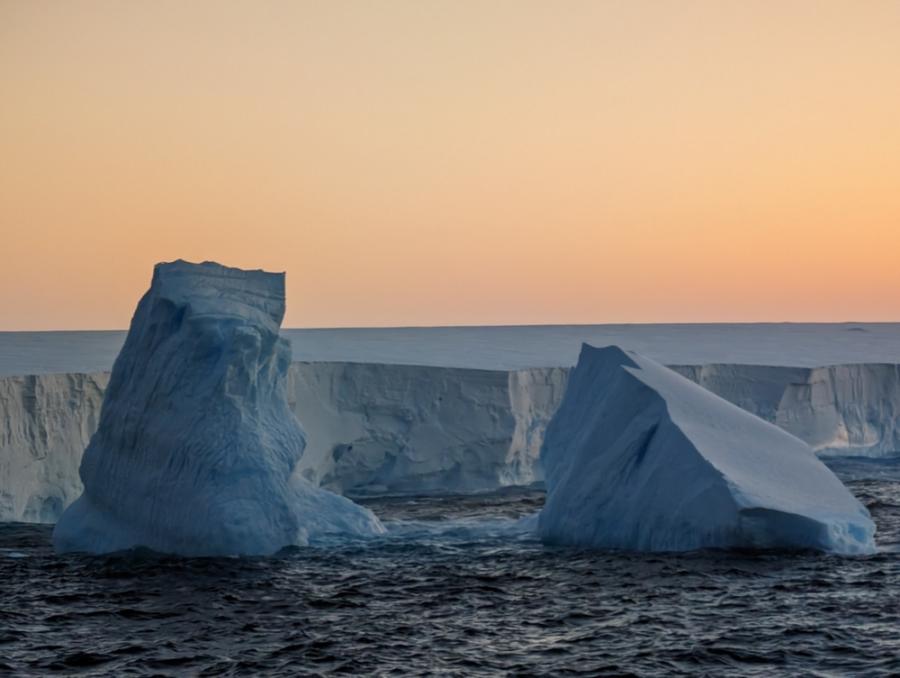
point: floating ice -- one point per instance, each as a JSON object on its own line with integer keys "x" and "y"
{"x": 638, "y": 457}
{"x": 196, "y": 445}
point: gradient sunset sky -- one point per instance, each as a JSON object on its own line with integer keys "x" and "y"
{"x": 434, "y": 163}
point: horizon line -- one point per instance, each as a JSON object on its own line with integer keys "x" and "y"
{"x": 511, "y": 325}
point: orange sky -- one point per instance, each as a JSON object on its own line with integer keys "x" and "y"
{"x": 430, "y": 163}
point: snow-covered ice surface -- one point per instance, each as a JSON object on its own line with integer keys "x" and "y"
{"x": 511, "y": 348}
{"x": 196, "y": 444}
{"x": 507, "y": 348}
{"x": 639, "y": 457}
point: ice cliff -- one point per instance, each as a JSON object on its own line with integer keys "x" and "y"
{"x": 196, "y": 445}
{"x": 400, "y": 428}
{"x": 850, "y": 410}
{"x": 46, "y": 422}
{"x": 638, "y": 457}
{"x": 374, "y": 428}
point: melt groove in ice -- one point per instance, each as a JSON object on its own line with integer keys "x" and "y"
{"x": 196, "y": 445}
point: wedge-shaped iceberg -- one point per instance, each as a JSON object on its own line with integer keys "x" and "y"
{"x": 640, "y": 458}
{"x": 196, "y": 446}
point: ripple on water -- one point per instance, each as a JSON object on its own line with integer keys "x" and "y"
{"x": 456, "y": 586}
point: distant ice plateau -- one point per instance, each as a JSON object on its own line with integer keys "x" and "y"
{"x": 388, "y": 428}
{"x": 506, "y": 347}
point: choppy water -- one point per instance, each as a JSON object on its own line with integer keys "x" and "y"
{"x": 458, "y": 587}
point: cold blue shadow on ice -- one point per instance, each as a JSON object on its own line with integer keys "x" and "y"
{"x": 197, "y": 449}
{"x": 639, "y": 457}
{"x": 196, "y": 446}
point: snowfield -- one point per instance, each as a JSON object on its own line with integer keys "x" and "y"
{"x": 507, "y": 348}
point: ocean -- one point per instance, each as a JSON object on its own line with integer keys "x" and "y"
{"x": 459, "y": 587}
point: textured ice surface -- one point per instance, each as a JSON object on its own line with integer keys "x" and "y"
{"x": 196, "y": 445}
{"x": 397, "y": 428}
{"x": 45, "y": 423}
{"x": 638, "y": 457}
{"x": 844, "y": 410}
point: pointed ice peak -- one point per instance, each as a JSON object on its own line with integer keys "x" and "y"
{"x": 638, "y": 457}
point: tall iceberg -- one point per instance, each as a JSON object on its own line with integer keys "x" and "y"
{"x": 196, "y": 446}
{"x": 638, "y": 457}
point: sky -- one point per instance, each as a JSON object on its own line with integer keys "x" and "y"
{"x": 442, "y": 163}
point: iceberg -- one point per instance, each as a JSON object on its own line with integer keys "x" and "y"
{"x": 640, "y": 458}
{"x": 196, "y": 447}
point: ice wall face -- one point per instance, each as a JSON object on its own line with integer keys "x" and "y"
{"x": 638, "y": 457}
{"x": 45, "y": 423}
{"x": 400, "y": 428}
{"x": 369, "y": 429}
{"x": 851, "y": 410}
{"x": 394, "y": 428}
{"x": 535, "y": 395}
{"x": 196, "y": 444}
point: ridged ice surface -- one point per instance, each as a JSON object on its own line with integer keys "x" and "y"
{"x": 454, "y": 588}
{"x": 196, "y": 445}
{"x": 638, "y": 457}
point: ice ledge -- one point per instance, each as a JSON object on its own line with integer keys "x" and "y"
{"x": 214, "y": 290}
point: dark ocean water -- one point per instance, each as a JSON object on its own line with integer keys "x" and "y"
{"x": 458, "y": 587}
